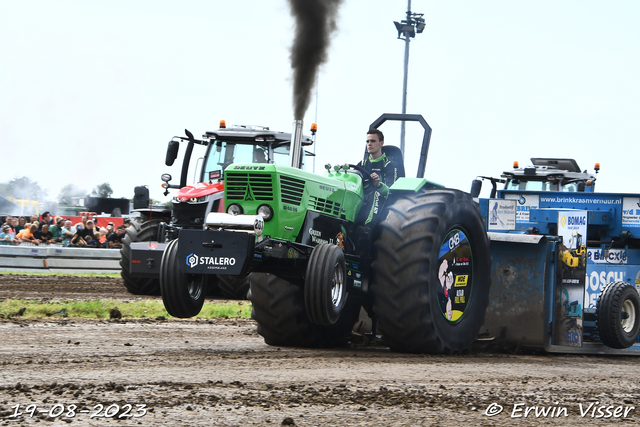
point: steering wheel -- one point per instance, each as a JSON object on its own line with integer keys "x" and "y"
{"x": 367, "y": 181}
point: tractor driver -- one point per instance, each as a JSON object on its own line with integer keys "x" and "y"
{"x": 384, "y": 172}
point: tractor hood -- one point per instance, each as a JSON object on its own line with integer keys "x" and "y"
{"x": 201, "y": 189}
{"x": 291, "y": 193}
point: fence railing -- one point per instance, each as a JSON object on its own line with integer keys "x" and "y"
{"x": 28, "y": 257}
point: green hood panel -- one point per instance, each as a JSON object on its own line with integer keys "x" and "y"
{"x": 412, "y": 184}
{"x": 291, "y": 192}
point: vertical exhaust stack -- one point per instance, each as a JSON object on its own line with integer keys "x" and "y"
{"x": 316, "y": 21}
{"x": 295, "y": 150}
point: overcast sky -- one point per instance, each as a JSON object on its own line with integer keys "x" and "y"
{"x": 91, "y": 92}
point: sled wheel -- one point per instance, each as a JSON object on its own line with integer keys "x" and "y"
{"x": 233, "y": 287}
{"x": 182, "y": 294}
{"x": 431, "y": 272}
{"x": 278, "y": 308}
{"x": 136, "y": 232}
{"x": 325, "y": 286}
{"x": 619, "y": 315}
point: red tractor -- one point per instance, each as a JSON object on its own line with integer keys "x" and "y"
{"x": 148, "y": 236}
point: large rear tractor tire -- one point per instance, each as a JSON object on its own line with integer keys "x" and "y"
{"x": 278, "y": 307}
{"x": 182, "y": 294}
{"x": 431, "y": 272}
{"x": 325, "y": 288}
{"x": 234, "y": 287}
{"x": 619, "y": 315}
{"x": 136, "y": 232}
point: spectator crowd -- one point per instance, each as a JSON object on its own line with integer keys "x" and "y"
{"x": 45, "y": 230}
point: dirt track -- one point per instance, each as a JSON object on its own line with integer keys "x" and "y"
{"x": 63, "y": 287}
{"x": 221, "y": 373}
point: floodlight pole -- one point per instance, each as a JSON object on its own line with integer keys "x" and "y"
{"x": 407, "y": 40}
{"x": 406, "y": 31}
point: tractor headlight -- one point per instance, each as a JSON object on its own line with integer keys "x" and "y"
{"x": 265, "y": 212}
{"x": 198, "y": 199}
{"x": 234, "y": 209}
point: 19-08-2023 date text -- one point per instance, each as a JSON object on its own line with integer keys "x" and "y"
{"x": 70, "y": 411}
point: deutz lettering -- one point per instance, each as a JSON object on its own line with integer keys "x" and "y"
{"x": 250, "y": 168}
{"x": 325, "y": 188}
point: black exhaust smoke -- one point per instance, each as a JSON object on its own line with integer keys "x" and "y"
{"x": 315, "y": 22}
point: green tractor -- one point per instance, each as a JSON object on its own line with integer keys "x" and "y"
{"x": 422, "y": 272}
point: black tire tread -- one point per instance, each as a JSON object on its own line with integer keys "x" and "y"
{"x": 609, "y": 305}
{"x": 401, "y": 270}
{"x": 278, "y": 307}
{"x": 315, "y": 277}
{"x": 175, "y": 296}
{"x": 136, "y": 232}
{"x": 234, "y": 287}
{"x": 319, "y": 275}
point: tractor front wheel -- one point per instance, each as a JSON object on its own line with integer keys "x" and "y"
{"x": 431, "y": 272}
{"x": 325, "y": 290}
{"x": 182, "y": 294}
{"x": 278, "y": 307}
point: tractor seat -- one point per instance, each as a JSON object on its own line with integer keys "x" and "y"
{"x": 394, "y": 154}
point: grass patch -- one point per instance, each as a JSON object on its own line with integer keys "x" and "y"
{"x": 100, "y": 309}
{"x": 20, "y": 273}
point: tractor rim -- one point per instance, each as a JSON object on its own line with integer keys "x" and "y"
{"x": 628, "y": 323}
{"x": 337, "y": 287}
{"x": 194, "y": 286}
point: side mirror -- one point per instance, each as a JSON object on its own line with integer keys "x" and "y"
{"x": 172, "y": 152}
{"x": 476, "y": 187}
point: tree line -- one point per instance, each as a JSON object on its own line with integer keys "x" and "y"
{"x": 25, "y": 188}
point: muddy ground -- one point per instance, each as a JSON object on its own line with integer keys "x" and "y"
{"x": 220, "y": 372}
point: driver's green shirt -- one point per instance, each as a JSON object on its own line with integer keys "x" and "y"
{"x": 387, "y": 170}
